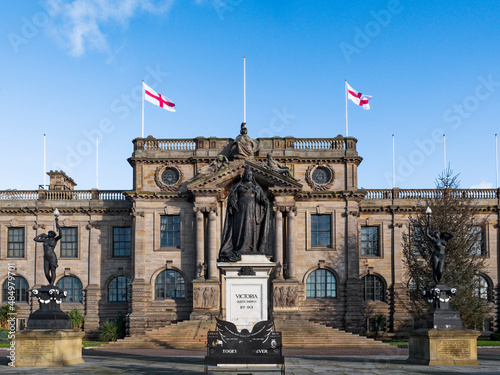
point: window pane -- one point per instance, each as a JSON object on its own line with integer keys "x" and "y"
{"x": 72, "y": 286}
{"x": 21, "y": 290}
{"x": 477, "y": 239}
{"x": 170, "y": 231}
{"x": 118, "y": 289}
{"x": 170, "y": 284}
{"x": 320, "y": 230}
{"x": 373, "y": 288}
{"x": 121, "y": 242}
{"x": 69, "y": 242}
{"x": 15, "y": 243}
{"x": 369, "y": 240}
{"x": 321, "y": 284}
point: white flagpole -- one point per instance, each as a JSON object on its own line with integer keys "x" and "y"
{"x": 496, "y": 156}
{"x": 142, "y": 109}
{"x": 393, "y": 165}
{"x": 346, "y": 118}
{"x": 44, "y": 163}
{"x": 97, "y": 162}
{"x": 244, "y": 91}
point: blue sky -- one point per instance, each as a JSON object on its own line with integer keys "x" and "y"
{"x": 72, "y": 70}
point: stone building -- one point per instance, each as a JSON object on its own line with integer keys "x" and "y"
{"x": 151, "y": 253}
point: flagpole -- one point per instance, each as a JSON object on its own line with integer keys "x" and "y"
{"x": 496, "y": 157}
{"x": 44, "y": 163}
{"x": 244, "y": 91}
{"x": 142, "y": 108}
{"x": 393, "y": 165}
{"x": 346, "y": 118}
{"x": 97, "y": 162}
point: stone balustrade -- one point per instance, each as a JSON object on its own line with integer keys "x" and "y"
{"x": 275, "y": 143}
{"x": 58, "y": 195}
{"x": 374, "y": 194}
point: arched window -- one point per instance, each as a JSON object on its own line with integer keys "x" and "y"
{"x": 483, "y": 288}
{"x": 16, "y": 290}
{"x": 72, "y": 286}
{"x": 118, "y": 289}
{"x": 416, "y": 291}
{"x": 321, "y": 284}
{"x": 373, "y": 288}
{"x": 170, "y": 284}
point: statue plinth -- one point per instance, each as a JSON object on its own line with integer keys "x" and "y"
{"x": 439, "y": 338}
{"x": 247, "y": 290}
{"x": 440, "y": 314}
{"x": 49, "y": 315}
{"x": 443, "y": 347}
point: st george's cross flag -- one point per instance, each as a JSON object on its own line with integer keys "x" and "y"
{"x": 157, "y": 99}
{"x": 357, "y": 97}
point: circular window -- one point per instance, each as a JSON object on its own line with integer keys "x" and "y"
{"x": 170, "y": 176}
{"x": 321, "y": 176}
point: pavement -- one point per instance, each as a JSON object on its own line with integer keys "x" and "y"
{"x": 386, "y": 361}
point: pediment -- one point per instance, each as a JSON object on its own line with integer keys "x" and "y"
{"x": 222, "y": 181}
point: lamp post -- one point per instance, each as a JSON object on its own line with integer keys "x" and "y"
{"x": 428, "y": 212}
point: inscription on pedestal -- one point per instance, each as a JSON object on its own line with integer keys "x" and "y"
{"x": 31, "y": 350}
{"x": 453, "y": 349}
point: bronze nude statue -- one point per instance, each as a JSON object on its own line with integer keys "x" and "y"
{"x": 49, "y": 256}
{"x": 439, "y": 241}
{"x": 248, "y": 218}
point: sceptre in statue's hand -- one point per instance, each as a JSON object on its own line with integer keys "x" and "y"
{"x": 439, "y": 241}
{"x": 49, "y": 256}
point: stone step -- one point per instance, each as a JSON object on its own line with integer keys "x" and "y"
{"x": 296, "y": 334}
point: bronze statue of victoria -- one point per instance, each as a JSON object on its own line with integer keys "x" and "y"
{"x": 248, "y": 220}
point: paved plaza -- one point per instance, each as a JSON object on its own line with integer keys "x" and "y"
{"x": 298, "y": 362}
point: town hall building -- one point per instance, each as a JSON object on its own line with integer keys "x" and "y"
{"x": 152, "y": 253}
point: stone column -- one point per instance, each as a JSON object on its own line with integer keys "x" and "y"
{"x": 278, "y": 241}
{"x": 200, "y": 243}
{"x": 212, "y": 244}
{"x": 291, "y": 236}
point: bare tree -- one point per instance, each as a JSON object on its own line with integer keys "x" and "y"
{"x": 465, "y": 261}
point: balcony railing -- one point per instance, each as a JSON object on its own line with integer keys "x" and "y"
{"x": 372, "y": 194}
{"x": 53, "y": 195}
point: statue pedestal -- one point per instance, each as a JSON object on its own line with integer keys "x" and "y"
{"x": 47, "y": 348}
{"x": 49, "y": 315}
{"x": 247, "y": 290}
{"x": 206, "y": 297}
{"x": 443, "y": 347}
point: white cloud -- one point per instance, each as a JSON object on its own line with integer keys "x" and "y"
{"x": 482, "y": 185}
{"x": 78, "y": 24}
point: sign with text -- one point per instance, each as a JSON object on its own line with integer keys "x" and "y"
{"x": 246, "y": 302}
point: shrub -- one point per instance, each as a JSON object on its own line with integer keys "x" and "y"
{"x": 76, "y": 318}
{"x": 495, "y": 336}
{"x": 4, "y": 314}
{"x": 113, "y": 330}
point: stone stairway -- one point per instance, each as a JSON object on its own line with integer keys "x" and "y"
{"x": 191, "y": 334}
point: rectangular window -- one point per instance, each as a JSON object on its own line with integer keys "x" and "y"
{"x": 170, "y": 231}
{"x": 121, "y": 242}
{"x": 478, "y": 247}
{"x": 15, "y": 245}
{"x": 419, "y": 241}
{"x": 369, "y": 241}
{"x": 69, "y": 243}
{"x": 320, "y": 230}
